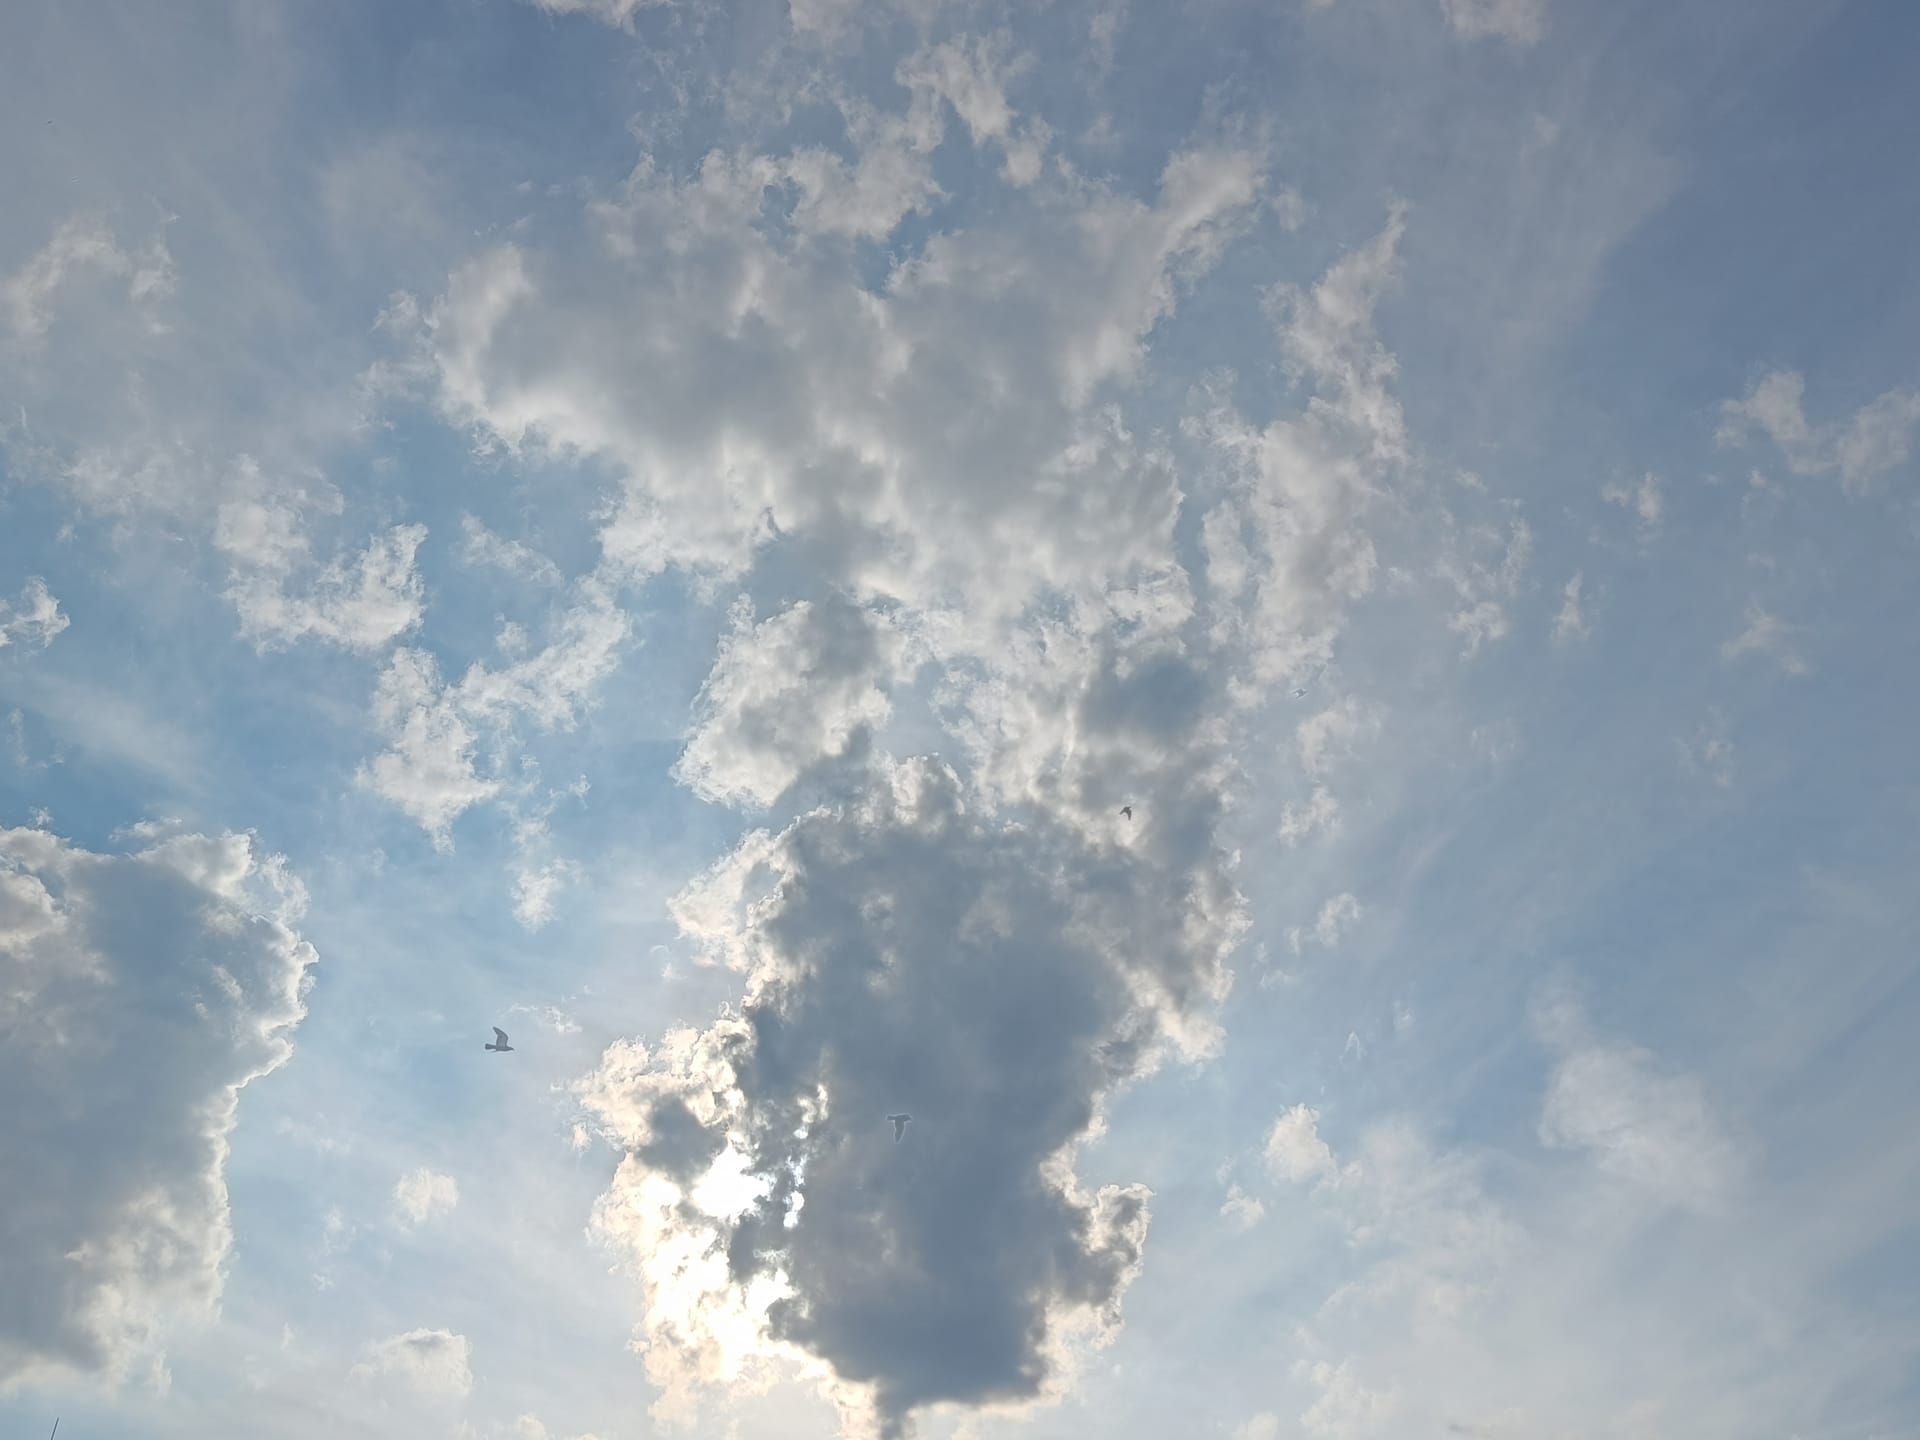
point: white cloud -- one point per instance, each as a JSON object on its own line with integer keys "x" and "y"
{"x": 1644, "y": 1123}
{"x": 1766, "y": 634}
{"x": 422, "y": 1196}
{"x": 1482, "y": 586}
{"x": 1241, "y": 1210}
{"x": 1344, "y": 1408}
{"x": 479, "y": 546}
{"x": 801, "y": 686}
{"x": 432, "y": 1363}
{"x": 1859, "y": 452}
{"x": 1287, "y": 546}
{"x": 362, "y": 604}
{"x": 1320, "y": 813}
{"x": 434, "y": 767}
{"x": 78, "y": 245}
{"x": 34, "y": 619}
{"x": 1644, "y": 498}
{"x": 618, "y": 13}
{"x": 1521, "y": 22}
{"x": 1570, "y": 621}
{"x": 1264, "y": 1426}
{"x": 1294, "y": 1150}
{"x": 1338, "y": 915}
{"x": 1334, "y": 734}
{"x": 750, "y": 392}
{"x": 177, "y": 966}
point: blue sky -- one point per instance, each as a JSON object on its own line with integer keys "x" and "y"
{"x": 675, "y": 529}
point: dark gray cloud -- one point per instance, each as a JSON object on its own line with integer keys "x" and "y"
{"x": 905, "y": 952}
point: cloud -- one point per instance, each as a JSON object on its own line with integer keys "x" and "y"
{"x": 799, "y": 687}
{"x": 1334, "y": 734}
{"x": 34, "y": 619}
{"x": 139, "y": 994}
{"x": 1521, "y": 22}
{"x": 1287, "y": 550}
{"x": 905, "y": 953}
{"x": 1241, "y": 1210}
{"x": 1642, "y": 1122}
{"x": 422, "y": 1196}
{"x": 1643, "y": 498}
{"x": 1344, "y": 1408}
{"x": 433, "y": 1363}
{"x": 1294, "y": 1150}
{"x": 1482, "y": 585}
{"x": 1859, "y": 451}
{"x": 910, "y": 442}
{"x": 1570, "y": 621}
{"x": 1767, "y": 634}
{"x": 434, "y": 766}
{"x": 1320, "y": 813}
{"x": 1264, "y": 1426}
{"x": 1338, "y": 915}
{"x": 78, "y": 245}
{"x": 362, "y": 604}
{"x": 1711, "y": 751}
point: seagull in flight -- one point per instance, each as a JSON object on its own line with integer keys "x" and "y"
{"x": 899, "y": 1126}
{"x": 499, "y": 1040}
{"x": 1127, "y": 810}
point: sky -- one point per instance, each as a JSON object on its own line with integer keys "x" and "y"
{"x": 1288, "y": 623}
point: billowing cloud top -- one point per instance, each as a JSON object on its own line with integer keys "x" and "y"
{"x": 1150, "y": 720}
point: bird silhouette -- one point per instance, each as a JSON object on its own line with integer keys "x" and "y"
{"x": 899, "y": 1126}
{"x": 1127, "y": 810}
{"x": 499, "y": 1041}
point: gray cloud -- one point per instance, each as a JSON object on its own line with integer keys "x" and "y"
{"x": 138, "y": 995}
{"x": 903, "y": 953}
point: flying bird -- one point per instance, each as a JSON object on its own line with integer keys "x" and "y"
{"x": 899, "y": 1126}
{"x": 1127, "y": 810}
{"x": 499, "y": 1041}
{"x": 1300, "y": 692}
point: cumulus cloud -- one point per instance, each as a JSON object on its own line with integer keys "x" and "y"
{"x": 1859, "y": 451}
{"x": 81, "y": 244}
{"x": 451, "y": 745}
{"x": 903, "y": 953}
{"x": 1521, "y": 22}
{"x": 1294, "y": 1150}
{"x": 422, "y": 1195}
{"x": 139, "y": 994}
{"x": 360, "y": 604}
{"x": 799, "y": 687}
{"x": 431, "y": 1363}
{"x": 1241, "y": 1210}
{"x": 912, "y": 442}
{"x": 34, "y": 619}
